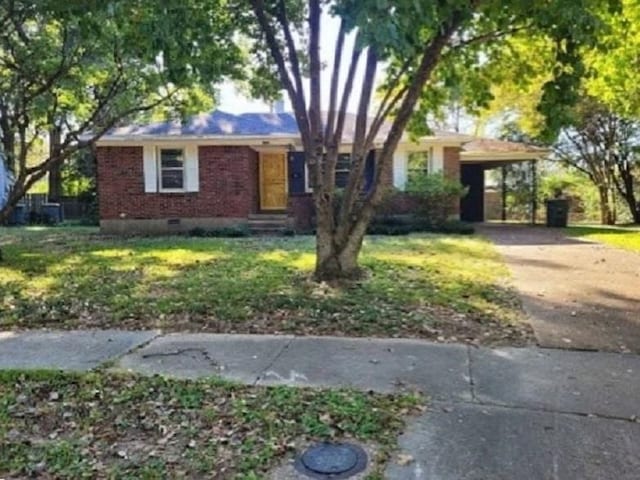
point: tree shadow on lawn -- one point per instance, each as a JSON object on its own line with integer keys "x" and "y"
{"x": 422, "y": 287}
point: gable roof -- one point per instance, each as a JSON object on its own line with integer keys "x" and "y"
{"x": 220, "y": 125}
{"x": 216, "y": 123}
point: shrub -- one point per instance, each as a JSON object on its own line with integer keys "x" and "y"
{"x": 405, "y": 224}
{"x": 229, "y": 232}
{"x": 436, "y": 197}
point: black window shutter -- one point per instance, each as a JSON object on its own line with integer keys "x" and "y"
{"x": 296, "y": 172}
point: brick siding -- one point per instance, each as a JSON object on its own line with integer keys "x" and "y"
{"x": 451, "y": 163}
{"x": 228, "y": 185}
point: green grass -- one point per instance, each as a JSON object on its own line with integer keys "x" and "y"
{"x": 421, "y": 286}
{"x": 99, "y": 425}
{"x": 627, "y": 238}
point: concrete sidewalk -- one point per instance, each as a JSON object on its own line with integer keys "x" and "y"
{"x": 496, "y": 414}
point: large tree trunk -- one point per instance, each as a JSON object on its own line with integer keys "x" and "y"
{"x": 55, "y": 174}
{"x": 627, "y": 190}
{"x": 634, "y": 208}
{"x": 55, "y": 183}
{"x": 336, "y": 258}
{"x": 633, "y": 204}
{"x": 338, "y": 248}
{"x": 607, "y": 207}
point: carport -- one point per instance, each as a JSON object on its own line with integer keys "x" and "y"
{"x": 482, "y": 155}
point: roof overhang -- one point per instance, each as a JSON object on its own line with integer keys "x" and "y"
{"x": 503, "y": 158}
{"x": 262, "y": 140}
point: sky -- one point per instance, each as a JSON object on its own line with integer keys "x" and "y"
{"x": 232, "y": 101}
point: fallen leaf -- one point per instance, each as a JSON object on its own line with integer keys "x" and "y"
{"x": 404, "y": 459}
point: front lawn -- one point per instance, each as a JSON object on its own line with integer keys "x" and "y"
{"x": 430, "y": 286}
{"x": 100, "y": 425}
{"x": 621, "y": 237}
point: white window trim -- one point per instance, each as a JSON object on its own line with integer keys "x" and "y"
{"x": 159, "y": 168}
{"x": 429, "y": 168}
{"x": 307, "y": 186}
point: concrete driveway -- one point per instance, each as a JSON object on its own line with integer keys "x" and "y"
{"x": 578, "y": 294}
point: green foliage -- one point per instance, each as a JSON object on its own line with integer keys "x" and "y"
{"x": 436, "y": 197}
{"x": 83, "y": 67}
{"x": 614, "y": 78}
{"x": 536, "y": 48}
{"x": 229, "y": 232}
{"x": 582, "y": 194}
{"x": 601, "y": 68}
{"x": 404, "y": 225}
{"x": 79, "y": 174}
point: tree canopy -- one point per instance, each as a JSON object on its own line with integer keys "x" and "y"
{"x": 78, "y": 68}
{"x": 600, "y": 128}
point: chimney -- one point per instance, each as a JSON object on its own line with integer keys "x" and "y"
{"x": 278, "y": 106}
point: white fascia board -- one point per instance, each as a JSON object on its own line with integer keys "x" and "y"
{"x": 134, "y": 140}
{"x": 501, "y": 156}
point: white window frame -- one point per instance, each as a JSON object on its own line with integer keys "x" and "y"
{"x": 159, "y": 150}
{"x": 307, "y": 185}
{"x": 348, "y": 170}
{"x": 428, "y": 167}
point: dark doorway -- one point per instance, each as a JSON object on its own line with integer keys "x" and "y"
{"x": 472, "y": 204}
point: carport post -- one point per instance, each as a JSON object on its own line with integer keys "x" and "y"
{"x": 504, "y": 193}
{"x": 534, "y": 191}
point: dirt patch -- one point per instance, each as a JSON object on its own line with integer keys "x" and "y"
{"x": 578, "y": 294}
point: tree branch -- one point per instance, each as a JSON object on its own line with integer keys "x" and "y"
{"x": 335, "y": 78}
{"x": 292, "y": 51}
{"x": 274, "y": 48}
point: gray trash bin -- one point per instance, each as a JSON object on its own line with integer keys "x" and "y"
{"x": 18, "y": 215}
{"x": 557, "y": 212}
{"x": 52, "y": 213}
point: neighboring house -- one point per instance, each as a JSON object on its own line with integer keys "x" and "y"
{"x": 221, "y": 169}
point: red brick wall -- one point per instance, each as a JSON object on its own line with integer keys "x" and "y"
{"x": 451, "y": 163}
{"x": 228, "y": 185}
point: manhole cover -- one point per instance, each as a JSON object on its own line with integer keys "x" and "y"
{"x": 332, "y": 461}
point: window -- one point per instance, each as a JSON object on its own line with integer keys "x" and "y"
{"x": 343, "y": 166}
{"x": 343, "y": 169}
{"x": 171, "y": 169}
{"x": 419, "y": 163}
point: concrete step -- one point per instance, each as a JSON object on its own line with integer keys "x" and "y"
{"x": 268, "y": 216}
{"x": 269, "y": 224}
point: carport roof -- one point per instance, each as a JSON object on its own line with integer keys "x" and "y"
{"x": 500, "y": 152}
